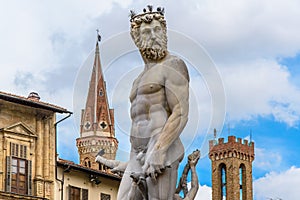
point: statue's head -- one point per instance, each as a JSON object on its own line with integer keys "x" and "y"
{"x": 149, "y": 33}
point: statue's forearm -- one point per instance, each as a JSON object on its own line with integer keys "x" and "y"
{"x": 172, "y": 129}
{"x": 194, "y": 185}
{"x": 108, "y": 163}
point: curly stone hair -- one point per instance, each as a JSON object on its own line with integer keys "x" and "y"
{"x": 148, "y": 17}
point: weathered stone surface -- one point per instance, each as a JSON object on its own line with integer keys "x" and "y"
{"x": 28, "y": 124}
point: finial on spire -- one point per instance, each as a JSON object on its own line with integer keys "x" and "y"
{"x": 98, "y": 35}
{"x": 215, "y": 133}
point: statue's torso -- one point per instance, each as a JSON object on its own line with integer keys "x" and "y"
{"x": 149, "y": 108}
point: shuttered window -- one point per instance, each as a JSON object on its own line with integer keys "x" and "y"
{"x": 75, "y": 193}
{"x": 8, "y": 174}
{"x": 104, "y": 196}
{"x": 85, "y": 194}
{"x": 18, "y": 170}
{"x": 18, "y": 176}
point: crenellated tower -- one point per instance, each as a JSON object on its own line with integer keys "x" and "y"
{"x": 231, "y": 168}
{"x": 97, "y": 130}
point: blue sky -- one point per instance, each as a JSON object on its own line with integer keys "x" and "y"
{"x": 253, "y": 44}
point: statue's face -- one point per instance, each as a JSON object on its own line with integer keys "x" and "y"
{"x": 153, "y": 40}
{"x": 152, "y": 32}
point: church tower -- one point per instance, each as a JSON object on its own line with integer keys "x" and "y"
{"x": 231, "y": 169}
{"x": 97, "y": 132}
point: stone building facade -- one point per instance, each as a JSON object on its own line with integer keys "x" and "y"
{"x": 29, "y": 167}
{"x": 27, "y": 147}
{"x": 231, "y": 168}
{"x": 83, "y": 183}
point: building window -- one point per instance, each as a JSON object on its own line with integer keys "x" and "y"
{"x": 84, "y": 194}
{"x": 103, "y": 167}
{"x": 242, "y": 175}
{"x": 223, "y": 181}
{"x": 18, "y": 170}
{"x": 87, "y": 162}
{"x": 18, "y": 176}
{"x": 75, "y": 193}
{"x": 104, "y": 196}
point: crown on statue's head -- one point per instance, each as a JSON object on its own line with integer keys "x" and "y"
{"x": 148, "y": 15}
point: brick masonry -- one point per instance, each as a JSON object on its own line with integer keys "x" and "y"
{"x": 233, "y": 155}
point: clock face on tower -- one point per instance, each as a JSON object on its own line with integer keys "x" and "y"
{"x": 87, "y": 125}
{"x": 103, "y": 124}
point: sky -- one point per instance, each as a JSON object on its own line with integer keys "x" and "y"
{"x": 243, "y": 58}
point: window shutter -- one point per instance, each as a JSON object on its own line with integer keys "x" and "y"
{"x": 70, "y": 193}
{"x": 29, "y": 177}
{"x": 84, "y": 194}
{"x": 8, "y": 174}
{"x": 105, "y": 196}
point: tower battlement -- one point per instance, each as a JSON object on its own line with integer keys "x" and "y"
{"x": 235, "y": 147}
{"x": 231, "y": 168}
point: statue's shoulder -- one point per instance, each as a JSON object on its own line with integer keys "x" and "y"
{"x": 178, "y": 64}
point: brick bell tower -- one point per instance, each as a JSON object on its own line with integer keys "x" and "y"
{"x": 231, "y": 169}
{"x": 97, "y": 130}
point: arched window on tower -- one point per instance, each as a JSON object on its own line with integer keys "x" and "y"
{"x": 223, "y": 182}
{"x": 242, "y": 175}
{"x": 87, "y": 162}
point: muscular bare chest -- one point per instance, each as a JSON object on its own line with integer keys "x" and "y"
{"x": 147, "y": 83}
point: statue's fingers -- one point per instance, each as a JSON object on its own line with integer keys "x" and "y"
{"x": 151, "y": 172}
{"x": 145, "y": 168}
{"x": 158, "y": 170}
{"x": 115, "y": 169}
{"x": 153, "y": 175}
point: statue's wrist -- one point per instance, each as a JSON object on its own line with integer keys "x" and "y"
{"x": 160, "y": 149}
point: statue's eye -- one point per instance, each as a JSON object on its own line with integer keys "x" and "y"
{"x": 146, "y": 31}
{"x": 157, "y": 29}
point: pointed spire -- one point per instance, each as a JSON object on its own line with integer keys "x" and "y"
{"x": 97, "y": 119}
{"x": 97, "y": 115}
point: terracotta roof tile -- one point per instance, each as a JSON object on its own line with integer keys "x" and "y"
{"x": 86, "y": 169}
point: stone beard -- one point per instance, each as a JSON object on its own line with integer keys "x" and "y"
{"x": 152, "y": 49}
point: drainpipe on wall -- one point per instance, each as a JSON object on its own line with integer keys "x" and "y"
{"x": 61, "y": 181}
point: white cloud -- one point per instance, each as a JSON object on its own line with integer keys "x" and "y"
{"x": 234, "y": 30}
{"x": 42, "y": 35}
{"x": 282, "y": 185}
{"x": 261, "y": 88}
{"x": 267, "y": 160}
{"x": 204, "y": 192}
{"x": 273, "y": 185}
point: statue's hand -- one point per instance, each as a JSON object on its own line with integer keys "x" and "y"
{"x": 194, "y": 157}
{"x": 154, "y": 163}
{"x": 120, "y": 168}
